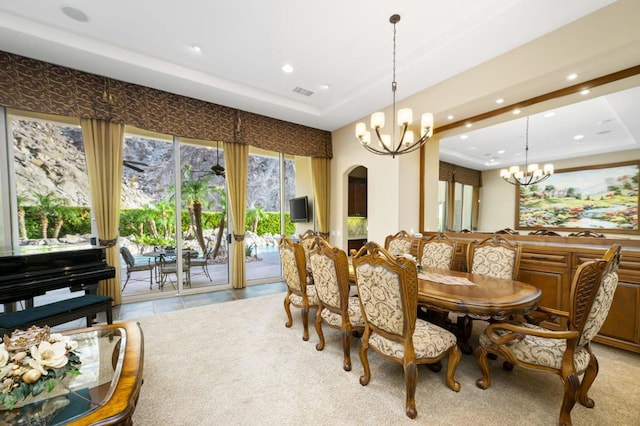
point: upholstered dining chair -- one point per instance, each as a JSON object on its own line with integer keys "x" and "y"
{"x": 307, "y": 240}
{"x": 566, "y": 352}
{"x": 437, "y": 251}
{"x": 299, "y": 294}
{"x": 336, "y": 308}
{"x": 399, "y": 244}
{"x": 388, "y": 293}
{"x": 494, "y": 256}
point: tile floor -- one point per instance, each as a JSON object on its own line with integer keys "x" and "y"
{"x": 136, "y": 310}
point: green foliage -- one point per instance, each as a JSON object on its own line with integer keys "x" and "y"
{"x": 77, "y": 220}
{"x": 270, "y": 223}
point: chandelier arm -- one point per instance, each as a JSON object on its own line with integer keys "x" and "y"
{"x": 382, "y": 143}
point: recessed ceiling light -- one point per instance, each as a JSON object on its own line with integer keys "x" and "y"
{"x": 578, "y": 137}
{"x": 75, "y": 14}
{"x": 584, "y": 92}
{"x": 572, "y": 76}
{"x": 325, "y": 87}
{"x": 468, "y": 125}
{"x": 501, "y": 151}
{"x": 464, "y": 136}
{"x": 196, "y": 48}
{"x": 516, "y": 111}
{"x": 449, "y": 117}
{"x": 473, "y": 148}
{"x": 499, "y": 100}
{"x": 549, "y": 114}
{"x": 288, "y": 68}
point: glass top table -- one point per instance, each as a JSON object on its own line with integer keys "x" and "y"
{"x": 106, "y": 390}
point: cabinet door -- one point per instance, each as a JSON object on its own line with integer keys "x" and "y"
{"x": 624, "y": 315}
{"x": 352, "y": 198}
{"x": 357, "y": 205}
{"x": 361, "y": 198}
{"x": 550, "y": 271}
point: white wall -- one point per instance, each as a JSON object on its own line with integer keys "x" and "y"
{"x": 498, "y": 198}
{"x": 392, "y": 189}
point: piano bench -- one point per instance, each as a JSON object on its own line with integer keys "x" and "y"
{"x": 57, "y": 313}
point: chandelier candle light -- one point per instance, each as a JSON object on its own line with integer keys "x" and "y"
{"x": 387, "y": 143}
{"x": 531, "y": 174}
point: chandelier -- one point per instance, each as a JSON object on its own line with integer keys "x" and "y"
{"x": 387, "y": 143}
{"x": 531, "y": 174}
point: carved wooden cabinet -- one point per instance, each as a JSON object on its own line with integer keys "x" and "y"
{"x": 550, "y": 262}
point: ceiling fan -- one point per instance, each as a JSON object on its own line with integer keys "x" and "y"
{"x": 135, "y": 165}
{"x": 217, "y": 169}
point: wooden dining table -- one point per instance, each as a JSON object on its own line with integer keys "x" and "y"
{"x": 471, "y": 296}
{"x": 479, "y": 296}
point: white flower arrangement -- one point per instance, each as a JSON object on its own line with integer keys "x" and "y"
{"x": 32, "y": 361}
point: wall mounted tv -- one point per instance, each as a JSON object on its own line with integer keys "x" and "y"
{"x": 299, "y": 209}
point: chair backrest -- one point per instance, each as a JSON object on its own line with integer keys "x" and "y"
{"x": 388, "y": 293}
{"x": 544, "y": 231}
{"x": 330, "y": 268}
{"x": 508, "y": 231}
{"x": 127, "y": 256}
{"x": 494, "y": 256}
{"x": 592, "y": 290}
{"x": 307, "y": 241}
{"x": 399, "y": 243}
{"x": 293, "y": 265}
{"x": 437, "y": 251}
{"x": 587, "y": 233}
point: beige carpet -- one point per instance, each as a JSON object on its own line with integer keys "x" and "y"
{"x": 236, "y": 363}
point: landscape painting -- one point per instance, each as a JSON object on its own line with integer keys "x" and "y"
{"x": 599, "y": 197}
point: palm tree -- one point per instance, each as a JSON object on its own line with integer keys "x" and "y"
{"x": 255, "y": 213}
{"x": 193, "y": 192}
{"x": 165, "y": 209}
{"x": 64, "y": 213}
{"x": 46, "y": 205}
{"x": 22, "y": 225}
{"x": 148, "y": 215}
{"x": 223, "y": 203}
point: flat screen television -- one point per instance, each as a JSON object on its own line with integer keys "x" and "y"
{"x": 299, "y": 209}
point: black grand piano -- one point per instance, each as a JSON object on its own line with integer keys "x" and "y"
{"x": 24, "y": 275}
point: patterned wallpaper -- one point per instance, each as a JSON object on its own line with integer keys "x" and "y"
{"x": 37, "y": 86}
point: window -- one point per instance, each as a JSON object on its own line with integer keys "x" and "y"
{"x": 51, "y": 183}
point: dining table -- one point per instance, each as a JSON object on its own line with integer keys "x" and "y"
{"x": 163, "y": 254}
{"x": 471, "y": 296}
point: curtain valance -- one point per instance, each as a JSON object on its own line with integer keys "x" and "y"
{"x": 37, "y": 86}
{"x": 453, "y": 173}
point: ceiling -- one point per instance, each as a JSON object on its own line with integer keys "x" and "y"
{"x": 341, "y": 52}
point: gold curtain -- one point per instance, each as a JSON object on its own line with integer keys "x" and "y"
{"x": 475, "y": 208}
{"x": 236, "y": 158}
{"x": 321, "y": 171}
{"x": 103, "y": 145}
{"x": 451, "y": 204}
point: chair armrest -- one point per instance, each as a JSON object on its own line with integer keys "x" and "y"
{"x": 543, "y": 313}
{"x": 511, "y": 332}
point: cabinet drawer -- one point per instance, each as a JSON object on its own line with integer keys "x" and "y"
{"x": 542, "y": 260}
{"x": 628, "y": 271}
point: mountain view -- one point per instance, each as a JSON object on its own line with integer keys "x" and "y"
{"x": 49, "y": 159}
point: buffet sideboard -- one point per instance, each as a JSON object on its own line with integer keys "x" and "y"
{"x": 549, "y": 263}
